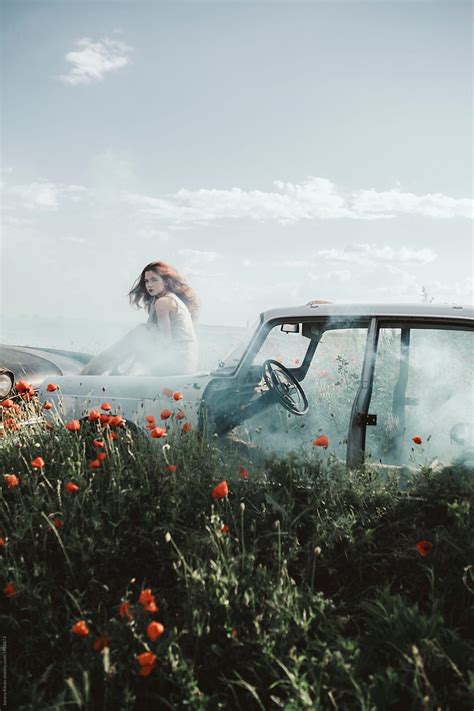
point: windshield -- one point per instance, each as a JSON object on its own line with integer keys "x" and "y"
{"x": 230, "y": 361}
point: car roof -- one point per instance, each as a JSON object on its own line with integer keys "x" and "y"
{"x": 455, "y": 311}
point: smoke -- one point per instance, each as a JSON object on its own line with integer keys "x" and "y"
{"x": 438, "y": 397}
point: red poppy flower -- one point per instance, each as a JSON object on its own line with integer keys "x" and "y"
{"x": 28, "y": 394}
{"x": 172, "y": 468}
{"x": 244, "y": 473}
{"x": 80, "y": 628}
{"x": 112, "y": 435}
{"x": 167, "y": 392}
{"x": 57, "y": 523}
{"x": 11, "y": 424}
{"x": 102, "y": 456}
{"x": 224, "y": 529}
{"x": 104, "y": 419}
{"x": 150, "y": 419}
{"x": 47, "y": 405}
{"x": 158, "y": 432}
{"x": 101, "y": 643}
{"x": 73, "y": 426}
{"x": 321, "y": 441}
{"x": 147, "y": 599}
{"x": 22, "y": 386}
{"x": 417, "y": 439}
{"x": 93, "y": 415}
{"x": 7, "y": 403}
{"x": 94, "y": 464}
{"x": 180, "y": 415}
{"x": 37, "y": 463}
{"x": 124, "y": 610}
{"x": 71, "y": 488}
{"x": 154, "y": 630}
{"x": 51, "y": 387}
{"x": 2, "y": 542}
{"x": 98, "y": 443}
{"x": 424, "y": 547}
{"x": 177, "y": 396}
{"x": 187, "y": 427}
{"x": 106, "y": 406}
{"x": 11, "y": 480}
{"x": 116, "y": 421}
{"x": 147, "y": 661}
{"x": 165, "y": 414}
{"x": 10, "y": 590}
{"x": 220, "y": 491}
{"x": 146, "y": 670}
{"x": 145, "y": 596}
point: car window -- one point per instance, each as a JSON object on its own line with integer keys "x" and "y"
{"x": 287, "y": 348}
{"x": 330, "y": 384}
{"x": 422, "y": 389}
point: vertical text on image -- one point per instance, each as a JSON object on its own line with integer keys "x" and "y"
{"x": 4, "y": 671}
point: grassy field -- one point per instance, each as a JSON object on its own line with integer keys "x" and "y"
{"x": 299, "y": 585}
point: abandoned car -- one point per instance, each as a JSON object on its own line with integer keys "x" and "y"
{"x": 386, "y": 383}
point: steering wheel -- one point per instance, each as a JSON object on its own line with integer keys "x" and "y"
{"x": 286, "y": 388}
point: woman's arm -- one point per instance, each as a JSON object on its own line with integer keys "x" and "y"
{"x": 164, "y": 307}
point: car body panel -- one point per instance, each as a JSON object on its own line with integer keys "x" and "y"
{"x": 36, "y": 364}
{"x": 132, "y": 397}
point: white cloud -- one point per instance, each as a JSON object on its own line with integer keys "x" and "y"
{"x": 197, "y": 255}
{"x": 93, "y": 60}
{"x": 367, "y": 254}
{"x": 149, "y": 233}
{"x": 400, "y": 285}
{"x": 359, "y": 254}
{"x": 460, "y": 291}
{"x": 339, "y": 274}
{"x": 15, "y": 221}
{"x": 74, "y": 240}
{"x": 314, "y": 199}
{"x": 42, "y": 195}
{"x": 397, "y": 202}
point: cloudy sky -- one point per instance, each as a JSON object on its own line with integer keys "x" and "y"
{"x": 274, "y": 152}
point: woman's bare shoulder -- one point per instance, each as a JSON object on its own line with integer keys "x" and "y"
{"x": 165, "y": 305}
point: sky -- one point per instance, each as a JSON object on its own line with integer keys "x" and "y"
{"x": 274, "y": 152}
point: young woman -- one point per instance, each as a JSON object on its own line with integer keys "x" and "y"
{"x": 167, "y": 343}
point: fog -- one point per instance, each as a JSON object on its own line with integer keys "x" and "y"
{"x": 439, "y": 389}
{"x": 92, "y": 337}
{"x": 439, "y": 402}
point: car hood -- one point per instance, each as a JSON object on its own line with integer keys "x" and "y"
{"x": 36, "y": 364}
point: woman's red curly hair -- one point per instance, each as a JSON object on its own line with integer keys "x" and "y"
{"x": 139, "y": 296}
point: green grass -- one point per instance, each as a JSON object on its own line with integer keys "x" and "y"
{"x": 316, "y": 598}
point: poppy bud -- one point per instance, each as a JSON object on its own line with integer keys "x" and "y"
{"x": 80, "y": 629}
{"x": 220, "y": 491}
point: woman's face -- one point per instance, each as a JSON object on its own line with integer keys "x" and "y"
{"x": 154, "y": 284}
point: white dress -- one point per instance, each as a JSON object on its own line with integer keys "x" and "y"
{"x": 181, "y": 355}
